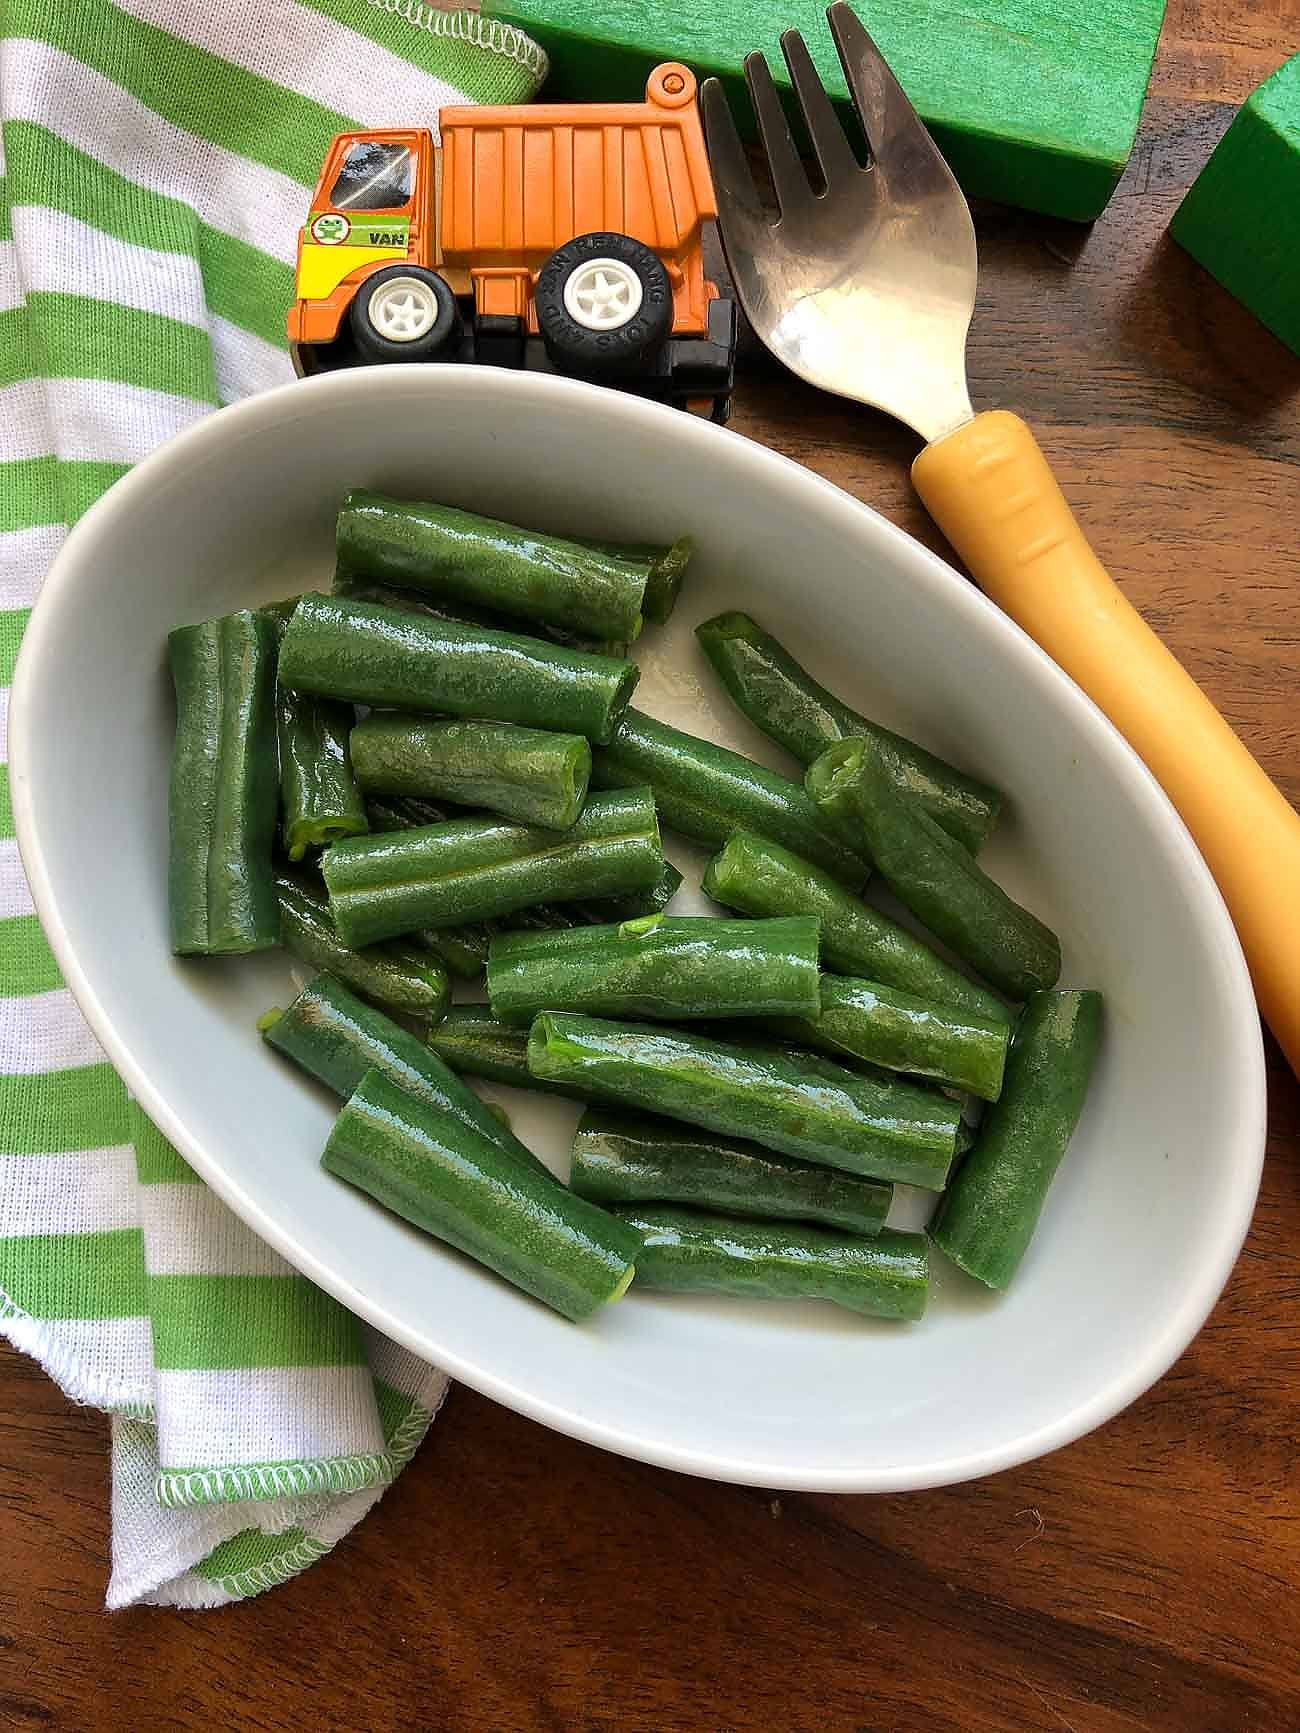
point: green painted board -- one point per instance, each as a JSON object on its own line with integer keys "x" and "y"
{"x": 1241, "y": 219}
{"x": 1034, "y": 102}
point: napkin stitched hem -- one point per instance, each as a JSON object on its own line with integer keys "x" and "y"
{"x": 178, "y": 1486}
{"x": 472, "y": 27}
{"x": 37, "y": 1340}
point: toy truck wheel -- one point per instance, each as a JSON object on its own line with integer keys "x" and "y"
{"x": 604, "y": 305}
{"x": 404, "y": 313}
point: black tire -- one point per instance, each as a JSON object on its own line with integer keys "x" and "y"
{"x": 374, "y": 345}
{"x": 624, "y": 349}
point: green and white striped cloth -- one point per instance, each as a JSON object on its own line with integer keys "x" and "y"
{"x": 158, "y": 157}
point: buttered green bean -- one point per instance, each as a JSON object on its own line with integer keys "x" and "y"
{"x": 707, "y": 791}
{"x": 759, "y": 877}
{"x": 374, "y": 655}
{"x": 457, "y": 1184}
{"x": 787, "y": 704}
{"x": 222, "y": 801}
{"x": 662, "y": 966}
{"x": 527, "y": 774}
{"x": 628, "y": 1158}
{"x": 688, "y": 1252}
{"x": 814, "y": 1111}
{"x": 448, "y": 552}
{"x": 931, "y": 873}
{"x": 471, "y": 869}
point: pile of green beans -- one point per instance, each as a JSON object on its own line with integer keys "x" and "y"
{"x": 756, "y": 1082}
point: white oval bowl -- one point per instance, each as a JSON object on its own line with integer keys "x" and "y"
{"x": 1153, "y": 1201}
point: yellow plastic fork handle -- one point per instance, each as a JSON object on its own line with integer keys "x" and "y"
{"x": 990, "y": 490}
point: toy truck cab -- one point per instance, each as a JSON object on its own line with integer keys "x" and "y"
{"x": 559, "y": 238}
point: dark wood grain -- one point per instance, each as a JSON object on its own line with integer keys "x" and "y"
{"x": 1144, "y": 1578}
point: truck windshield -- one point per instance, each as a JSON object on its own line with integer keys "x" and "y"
{"x": 375, "y": 176}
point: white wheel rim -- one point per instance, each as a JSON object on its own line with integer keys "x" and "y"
{"x": 403, "y": 309}
{"x": 603, "y": 295}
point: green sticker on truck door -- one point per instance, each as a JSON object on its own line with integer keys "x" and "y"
{"x": 334, "y": 229}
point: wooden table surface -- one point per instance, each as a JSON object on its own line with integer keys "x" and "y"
{"x": 1145, "y": 1578}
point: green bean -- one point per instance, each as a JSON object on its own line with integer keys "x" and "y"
{"x": 624, "y": 1158}
{"x": 377, "y": 656}
{"x": 432, "y": 1170}
{"x": 470, "y": 869}
{"x": 463, "y": 949}
{"x": 634, "y": 904}
{"x": 525, "y": 774}
{"x": 222, "y": 802}
{"x": 462, "y": 614}
{"x": 904, "y": 1033}
{"x": 814, "y": 1111}
{"x": 787, "y": 704}
{"x": 667, "y": 569}
{"x": 318, "y": 790}
{"x": 336, "y": 1038}
{"x": 458, "y": 554}
{"x": 686, "y": 1252}
{"x": 471, "y": 1040}
{"x": 988, "y": 1217}
{"x": 759, "y": 877}
{"x": 400, "y": 978}
{"x": 706, "y": 792}
{"x": 662, "y": 966}
{"x": 932, "y": 874}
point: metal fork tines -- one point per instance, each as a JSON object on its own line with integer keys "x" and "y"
{"x": 865, "y": 287}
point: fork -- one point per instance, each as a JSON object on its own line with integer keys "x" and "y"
{"x": 866, "y": 287}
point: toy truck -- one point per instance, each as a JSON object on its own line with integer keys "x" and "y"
{"x": 557, "y": 238}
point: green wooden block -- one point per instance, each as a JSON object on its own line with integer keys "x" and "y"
{"x": 1241, "y": 219}
{"x": 1033, "y": 102}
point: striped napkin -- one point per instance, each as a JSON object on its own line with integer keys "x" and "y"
{"x": 158, "y": 157}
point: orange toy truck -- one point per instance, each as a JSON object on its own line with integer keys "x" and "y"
{"x": 559, "y": 238}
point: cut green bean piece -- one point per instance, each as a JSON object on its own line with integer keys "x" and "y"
{"x": 336, "y": 1038}
{"x": 932, "y": 874}
{"x": 814, "y": 1111}
{"x": 625, "y": 1158}
{"x": 318, "y": 790}
{"x": 988, "y": 1217}
{"x": 666, "y": 570}
{"x": 374, "y": 655}
{"x": 471, "y": 869}
{"x": 463, "y": 949}
{"x": 462, "y": 614}
{"x": 759, "y": 877}
{"x": 432, "y": 1170}
{"x": 525, "y": 774}
{"x": 904, "y": 1033}
{"x": 447, "y": 552}
{"x": 399, "y": 977}
{"x": 706, "y": 792}
{"x": 223, "y": 788}
{"x": 543, "y": 917}
{"x": 662, "y": 966}
{"x": 472, "y": 1041}
{"x": 633, "y": 904}
{"x": 787, "y": 704}
{"x": 687, "y": 1252}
